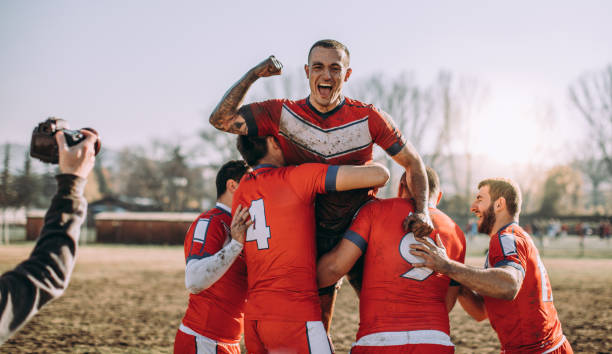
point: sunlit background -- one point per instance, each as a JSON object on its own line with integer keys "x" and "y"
{"x": 146, "y": 75}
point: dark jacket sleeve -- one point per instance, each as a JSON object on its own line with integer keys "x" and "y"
{"x": 45, "y": 274}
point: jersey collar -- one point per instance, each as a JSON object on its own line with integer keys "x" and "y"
{"x": 223, "y": 207}
{"x": 505, "y": 226}
{"x": 326, "y": 114}
{"x": 264, "y": 165}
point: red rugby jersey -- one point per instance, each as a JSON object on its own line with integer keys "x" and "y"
{"x": 529, "y": 323}
{"x": 216, "y": 312}
{"x": 280, "y": 245}
{"x": 396, "y": 296}
{"x": 343, "y": 136}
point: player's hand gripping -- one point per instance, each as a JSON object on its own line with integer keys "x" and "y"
{"x": 269, "y": 67}
{"x": 419, "y": 223}
{"x": 434, "y": 255}
{"x": 240, "y": 223}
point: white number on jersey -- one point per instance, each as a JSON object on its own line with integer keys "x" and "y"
{"x": 547, "y": 295}
{"x": 404, "y": 248}
{"x": 259, "y": 231}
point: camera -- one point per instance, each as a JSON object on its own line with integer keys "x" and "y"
{"x": 43, "y": 145}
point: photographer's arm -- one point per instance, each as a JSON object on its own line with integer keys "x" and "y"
{"x": 45, "y": 274}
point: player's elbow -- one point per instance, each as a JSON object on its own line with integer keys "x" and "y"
{"x": 380, "y": 175}
{"x": 328, "y": 274}
{"x": 192, "y": 287}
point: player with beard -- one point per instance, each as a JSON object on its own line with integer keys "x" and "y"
{"x": 326, "y": 127}
{"x": 513, "y": 289}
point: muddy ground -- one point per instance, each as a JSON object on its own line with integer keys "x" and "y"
{"x": 126, "y": 299}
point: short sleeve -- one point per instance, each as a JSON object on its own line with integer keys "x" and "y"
{"x": 310, "y": 179}
{"x": 206, "y": 236}
{"x": 262, "y": 118}
{"x": 384, "y": 132}
{"x": 504, "y": 251}
{"x": 359, "y": 231}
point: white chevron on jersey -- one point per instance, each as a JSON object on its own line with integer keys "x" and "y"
{"x": 327, "y": 143}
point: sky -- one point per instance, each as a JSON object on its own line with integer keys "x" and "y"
{"x": 139, "y": 70}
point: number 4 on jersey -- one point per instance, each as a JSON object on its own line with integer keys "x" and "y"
{"x": 259, "y": 231}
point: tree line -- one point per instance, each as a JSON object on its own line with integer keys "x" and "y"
{"x": 436, "y": 118}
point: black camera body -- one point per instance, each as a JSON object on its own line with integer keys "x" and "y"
{"x": 43, "y": 145}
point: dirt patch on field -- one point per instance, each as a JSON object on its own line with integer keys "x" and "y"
{"x": 131, "y": 300}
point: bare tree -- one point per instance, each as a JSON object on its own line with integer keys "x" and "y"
{"x": 591, "y": 94}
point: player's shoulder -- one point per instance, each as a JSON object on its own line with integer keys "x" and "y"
{"x": 218, "y": 213}
{"x": 356, "y": 104}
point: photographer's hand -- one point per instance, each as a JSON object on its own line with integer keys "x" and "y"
{"x": 78, "y": 159}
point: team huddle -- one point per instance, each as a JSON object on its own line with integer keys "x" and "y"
{"x": 300, "y": 212}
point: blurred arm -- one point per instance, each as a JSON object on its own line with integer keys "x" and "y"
{"x": 472, "y": 303}
{"x": 336, "y": 263}
{"x": 451, "y": 297}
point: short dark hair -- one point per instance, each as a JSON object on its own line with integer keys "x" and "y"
{"x": 230, "y": 170}
{"x": 433, "y": 182}
{"x": 252, "y": 148}
{"x": 507, "y": 188}
{"x": 331, "y": 44}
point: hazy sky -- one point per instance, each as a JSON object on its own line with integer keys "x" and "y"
{"x": 142, "y": 69}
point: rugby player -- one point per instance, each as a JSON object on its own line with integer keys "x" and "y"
{"x": 326, "y": 127}
{"x": 402, "y": 309}
{"x": 215, "y": 275}
{"x": 513, "y": 289}
{"x": 283, "y": 312}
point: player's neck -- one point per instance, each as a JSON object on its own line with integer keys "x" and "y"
{"x": 324, "y": 109}
{"x": 226, "y": 198}
{"x": 501, "y": 220}
{"x": 271, "y": 159}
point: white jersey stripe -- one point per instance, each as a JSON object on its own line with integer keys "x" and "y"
{"x": 556, "y": 346}
{"x": 317, "y": 338}
{"x": 327, "y": 143}
{"x": 407, "y": 337}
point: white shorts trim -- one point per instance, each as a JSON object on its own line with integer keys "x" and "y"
{"x": 407, "y": 337}
{"x": 556, "y": 346}
{"x": 317, "y": 338}
{"x": 204, "y": 345}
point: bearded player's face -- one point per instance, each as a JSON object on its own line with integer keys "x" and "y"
{"x": 327, "y": 70}
{"x": 482, "y": 207}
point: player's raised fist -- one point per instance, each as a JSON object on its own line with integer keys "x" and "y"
{"x": 269, "y": 67}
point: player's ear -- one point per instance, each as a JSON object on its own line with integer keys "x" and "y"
{"x": 439, "y": 198}
{"x": 231, "y": 185}
{"x": 349, "y": 71}
{"x": 307, "y": 71}
{"x": 500, "y": 204}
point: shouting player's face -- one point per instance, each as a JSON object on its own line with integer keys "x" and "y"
{"x": 327, "y": 70}
{"x": 483, "y": 209}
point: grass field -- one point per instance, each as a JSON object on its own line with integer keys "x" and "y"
{"x": 130, "y": 299}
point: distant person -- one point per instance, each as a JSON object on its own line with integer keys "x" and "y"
{"x": 215, "y": 275}
{"x": 513, "y": 290}
{"x": 283, "y": 313}
{"x": 325, "y": 127}
{"x": 402, "y": 309}
{"x": 45, "y": 274}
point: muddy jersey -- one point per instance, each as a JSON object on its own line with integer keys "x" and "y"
{"x": 280, "y": 244}
{"x": 342, "y": 136}
{"x": 396, "y": 296}
{"x": 216, "y": 312}
{"x": 529, "y": 323}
